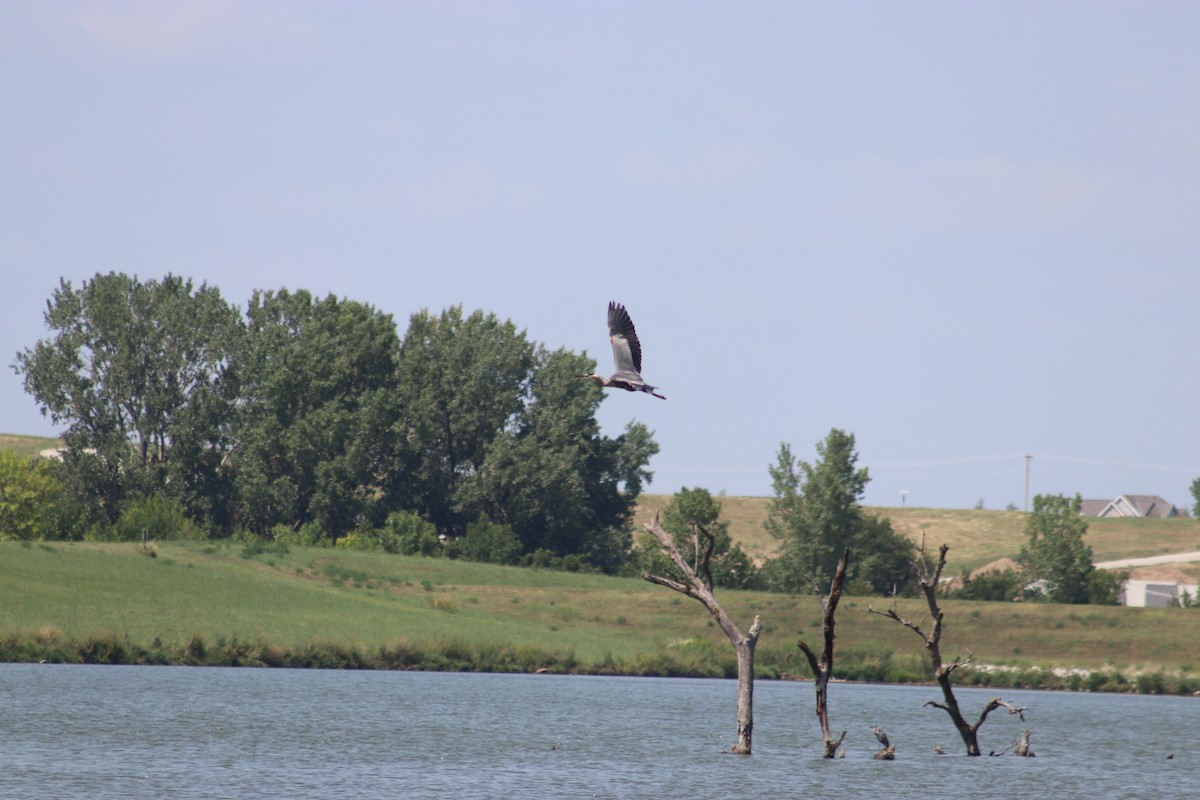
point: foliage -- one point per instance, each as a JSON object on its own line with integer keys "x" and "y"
{"x": 993, "y": 585}
{"x": 308, "y": 535}
{"x": 882, "y": 558}
{"x": 1056, "y": 559}
{"x": 489, "y": 543}
{"x": 132, "y": 367}
{"x": 544, "y": 559}
{"x": 553, "y": 478}
{"x": 816, "y": 514}
{"x": 1195, "y": 489}
{"x": 158, "y": 517}
{"x": 1105, "y": 586}
{"x": 406, "y": 533}
{"x": 315, "y": 430}
{"x": 29, "y": 493}
{"x": 313, "y": 415}
{"x": 462, "y": 380}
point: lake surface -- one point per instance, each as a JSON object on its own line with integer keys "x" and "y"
{"x": 189, "y": 732}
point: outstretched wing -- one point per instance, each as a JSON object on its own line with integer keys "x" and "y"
{"x": 627, "y": 350}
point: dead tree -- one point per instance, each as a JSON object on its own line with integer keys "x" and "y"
{"x": 698, "y": 584}
{"x": 822, "y": 667}
{"x": 928, "y": 581}
{"x": 1020, "y": 747}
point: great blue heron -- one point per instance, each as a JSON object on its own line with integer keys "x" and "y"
{"x": 881, "y": 736}
{"x": 627, "y": 355}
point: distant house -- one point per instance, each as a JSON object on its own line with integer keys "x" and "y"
{"x": 1129, "y": 505}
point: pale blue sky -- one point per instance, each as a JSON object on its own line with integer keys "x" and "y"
{"x": 961, "y": 231}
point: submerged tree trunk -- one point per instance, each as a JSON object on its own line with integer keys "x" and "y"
{"x": 697, "y": 584}
{"x": 822, "y": 666}
{"x": 744, "y": 647}
{"x": 928, "y": 581}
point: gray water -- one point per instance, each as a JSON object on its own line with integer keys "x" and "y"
{"x": 187, "y": 732}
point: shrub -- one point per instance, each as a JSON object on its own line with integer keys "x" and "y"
{"x": 545, "y": 559}
{"x": 406, "y": 533}
{"x": 1104, "y": 586}
{"x": 993, "y": 585}
{"x": 310, "y": 534}
{"x": 156, "y": 516}
{"x": 1150, "y": 683}
{"x": 258, "y": 547}
{"x": 490, "y": 543}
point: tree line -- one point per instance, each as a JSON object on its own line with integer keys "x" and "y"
{"x": 313, "y": 419}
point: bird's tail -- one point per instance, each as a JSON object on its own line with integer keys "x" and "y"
{"x": 648, "y": 389}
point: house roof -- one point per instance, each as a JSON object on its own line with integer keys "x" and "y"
{"x": 1138, "y": 505}
{"x": 1092, "y": 508}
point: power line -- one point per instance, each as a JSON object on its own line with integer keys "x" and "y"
{"x": 957, "y": 460}
{"x": 1129, "y": 464}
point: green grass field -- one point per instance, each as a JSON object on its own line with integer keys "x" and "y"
{"x": 91, "y": 601}
{"x": 365, "y": 602}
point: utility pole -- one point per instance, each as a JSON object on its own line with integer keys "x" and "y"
{"x": 1028, "y": 458}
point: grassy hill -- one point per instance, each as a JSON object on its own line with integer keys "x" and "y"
{"x": 228, "y": 604}
{"x": 975, "y": 537}
{"x": 27, "y": 445}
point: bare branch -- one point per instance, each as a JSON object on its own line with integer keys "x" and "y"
{"x": 959, "y": 662}
{"x": 813, "y": 664}
{"x": 995, "y": 703}
{"x": 755, "y": 629}
{"x": 670, "y": 583}
{"x": 891, "y": 614}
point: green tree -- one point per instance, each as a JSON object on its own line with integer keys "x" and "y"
{"x": 29, "y": 494}
{"x": 884, "y": 558}
{"x": 553, "y": 478}
{"x": 1056, "y": 560}
{"x": 317, "y": 428}
{"x": 127, "y": 368}
{"x": 816, "y": 514}
{"x": 489, "y": 543}
{"x": 1105, "y": 586}
{"x": 1196, "y": 498}
{"x": 462, "y": 380}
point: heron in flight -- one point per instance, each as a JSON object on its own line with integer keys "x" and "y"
{"x": 627, "y": 355}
